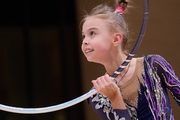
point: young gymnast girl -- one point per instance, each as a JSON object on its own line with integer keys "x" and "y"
{"x": 140, "y": 90}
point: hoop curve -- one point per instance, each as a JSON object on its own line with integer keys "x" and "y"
{"x": 92, "y": 91}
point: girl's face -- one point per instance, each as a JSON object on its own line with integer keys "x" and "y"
{"x": 97, "y": 40}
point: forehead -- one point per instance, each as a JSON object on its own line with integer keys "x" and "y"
{"x": 94, "y": 22}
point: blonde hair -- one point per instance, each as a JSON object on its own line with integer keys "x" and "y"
{"x": 116, "y": 21}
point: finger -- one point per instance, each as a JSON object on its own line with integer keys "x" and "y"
{"x": 101, "y": 81}
{"x": 97, "y": 86}
{"x": 109, "y": 79}
{"x": 94, "y": 82}
{"x": 102, "y": 84}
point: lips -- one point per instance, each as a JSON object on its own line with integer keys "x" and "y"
{"x": 88, "y": 50}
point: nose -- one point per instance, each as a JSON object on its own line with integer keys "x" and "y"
{"x": 85, "y": 42}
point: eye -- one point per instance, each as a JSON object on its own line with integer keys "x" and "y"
{"x": 83, "y": 36}
{"x": 92, "y": 33}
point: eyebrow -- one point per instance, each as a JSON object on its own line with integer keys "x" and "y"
{"x": 92, "y": 28}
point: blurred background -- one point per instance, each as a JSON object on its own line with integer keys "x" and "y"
{"x": 41, "y": 63}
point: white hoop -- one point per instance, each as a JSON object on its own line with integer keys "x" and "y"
{"x": 50, "y": 108}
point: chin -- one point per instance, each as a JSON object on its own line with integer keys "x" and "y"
{"x": 91, "y": 60}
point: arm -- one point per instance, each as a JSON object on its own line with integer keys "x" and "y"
{"x": 167, "y": 74}
{"x": 102, "y": 107}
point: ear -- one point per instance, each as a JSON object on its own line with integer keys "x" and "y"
{"x": 117, "y": 39}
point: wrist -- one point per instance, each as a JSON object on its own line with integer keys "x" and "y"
{"x": 117, "y": 101}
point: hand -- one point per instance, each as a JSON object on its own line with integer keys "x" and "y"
{"x": 106, "y": 86}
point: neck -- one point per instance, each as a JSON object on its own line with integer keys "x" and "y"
{"x": 114, "y": 63}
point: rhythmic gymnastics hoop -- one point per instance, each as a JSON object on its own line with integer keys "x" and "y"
{"x": 92, "y": 91}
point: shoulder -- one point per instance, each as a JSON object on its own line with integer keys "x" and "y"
{"x": 155, "y": 60}
{"x": 154, "y": 57}
{"x": 151, "y": 57}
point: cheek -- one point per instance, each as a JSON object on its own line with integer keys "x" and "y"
{"x": 102, "y": 47}
{"x": 104, "y": 44}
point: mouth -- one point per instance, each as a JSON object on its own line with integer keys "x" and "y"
{"x": 88, "y": 50}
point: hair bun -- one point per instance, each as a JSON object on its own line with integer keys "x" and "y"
{"x": 122, "y": 3}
